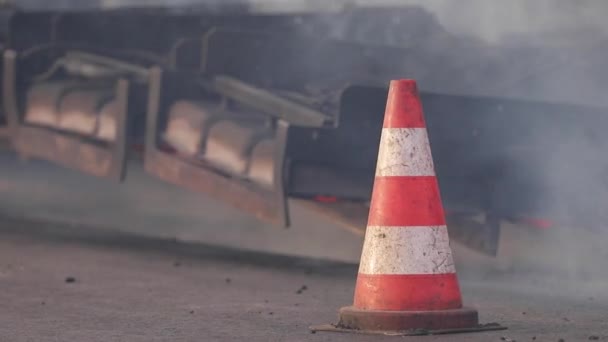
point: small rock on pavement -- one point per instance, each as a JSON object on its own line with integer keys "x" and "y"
{"x": 302, "y": 289}
{"x": 594, "y": 338}
{"x": 70, "y": 280}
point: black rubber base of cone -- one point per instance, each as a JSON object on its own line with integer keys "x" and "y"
{"x": 370, "y": 320}
{"x": 412, "y": 332}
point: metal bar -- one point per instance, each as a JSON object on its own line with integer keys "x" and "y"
{"x": 205, "y": 48}
{"x": 173, "y": 52}
{"x": 139, "y": 71}
{"x": 279, "y": 172}
{"x": 268, "y": 102}
{"x": 154, "y": 88}
{"x": 119, "y": 146}
{"x": 55, "y": 21}
{"x": 9, "y": 93}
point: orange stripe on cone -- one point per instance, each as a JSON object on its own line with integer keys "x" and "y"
{"x": 406, "y": 201}
{"x": 403, "y": 107}
{"x": 407, "y": 292}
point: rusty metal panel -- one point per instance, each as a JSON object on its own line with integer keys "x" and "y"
{"x": 65, "y": 150}
{"x": 241, "y": 195}
{"x": 73, "y": 152}
{"x": 266, "y": 205}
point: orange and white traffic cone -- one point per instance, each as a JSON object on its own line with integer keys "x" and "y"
{"x": 407, "y": 280}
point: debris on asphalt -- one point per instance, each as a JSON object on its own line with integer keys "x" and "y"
{"x": 506, "y": 339}
{"x": 523, "y": 313}
{"x": 44, "y": 303}
{"x": 566, "y": 319}
{"x": 561, "y": 340}
{"x": 594, "y": 338}
{"x": 533, "y": 338}
{"x": 302, "y": 289}
{"x": 192, "y": 312}
{"x": 70, "y": 280}
{"x": 271, "y": 313}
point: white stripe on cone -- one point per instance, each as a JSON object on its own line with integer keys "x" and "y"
{"x": 406, "y": 250}
{"x": 404, "y": 152}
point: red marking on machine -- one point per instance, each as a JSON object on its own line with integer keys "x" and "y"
{"x": 539, "y": 223}
{"x": 326, "y": 199}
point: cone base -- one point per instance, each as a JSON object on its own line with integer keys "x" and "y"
{"x": 371, "y": 320}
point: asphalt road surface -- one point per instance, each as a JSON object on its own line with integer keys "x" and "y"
{"x": 58, "y": 285}
{"x": 83, "y": 259}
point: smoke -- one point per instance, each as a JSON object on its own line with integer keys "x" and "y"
{"x": 494, "y": 21}
{"x": 544, "y": 50}
{"x": 548, "y": 51}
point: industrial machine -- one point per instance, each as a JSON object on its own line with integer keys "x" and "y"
{"x": 264, "y": 111}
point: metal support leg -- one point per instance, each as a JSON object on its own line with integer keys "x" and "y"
{"x": 9, "y": 93}
{"x": 119, "y": 146}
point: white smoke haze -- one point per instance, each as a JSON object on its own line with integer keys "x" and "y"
{"x": 550, "y": 51}
{"x": 543, "y": 50}
{"x": 547, "y": 50}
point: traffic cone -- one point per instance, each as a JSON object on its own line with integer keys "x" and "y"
{"x": 407, "y": 278}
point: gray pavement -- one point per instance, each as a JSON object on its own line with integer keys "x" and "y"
{"x": 142, "y": 289}
{"x": 151, "y": 262}
{"x": 149, "y": 207}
